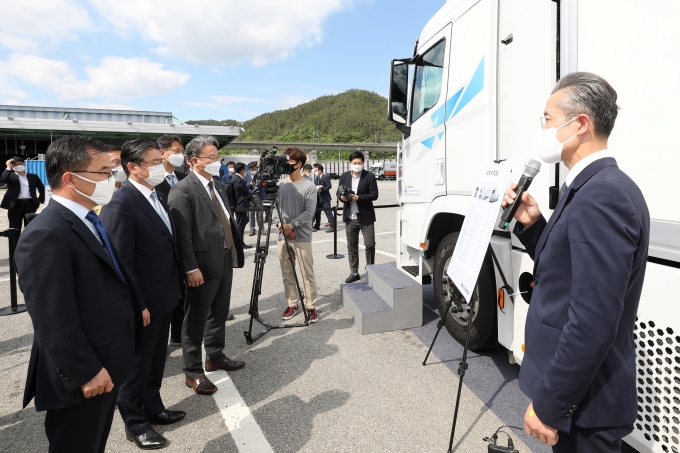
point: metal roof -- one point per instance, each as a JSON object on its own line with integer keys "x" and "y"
{"x": 48, "y": 128}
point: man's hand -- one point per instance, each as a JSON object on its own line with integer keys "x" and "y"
{"x": 319, "y": 190}
{"x": 289, "y": 231}
{"x": 355, "y": 197}
{"x": 99, "y": 384}
{"x": 195, "y": 278}
{"x": 9, "y": 164}
{"x": 146, "y": 317}
{"x": 343, "y": 199}
{"x": 527, "y": 212}
{"x": 534, "y": 427}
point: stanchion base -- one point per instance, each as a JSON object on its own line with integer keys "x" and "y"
{"x": 335, "y": 256}
{"x": 12, "y": 311}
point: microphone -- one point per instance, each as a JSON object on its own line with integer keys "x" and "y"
{"x": 531, "y": 169}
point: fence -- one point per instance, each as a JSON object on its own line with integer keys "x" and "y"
{"x": 341, "y": 167}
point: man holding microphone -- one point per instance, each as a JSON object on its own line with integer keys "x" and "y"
{"x": 589, "y": 266}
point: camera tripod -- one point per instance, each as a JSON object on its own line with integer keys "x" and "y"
{"x": 261, "y": 252}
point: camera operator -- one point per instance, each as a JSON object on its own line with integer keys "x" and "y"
{"x": 297, "y": 201}
{"x": 358, "y": 213}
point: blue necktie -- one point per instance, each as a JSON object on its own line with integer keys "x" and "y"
{"x": 94, "y": 218}
{"x": 171, "y": 180}
{"x": 160, "y": 210}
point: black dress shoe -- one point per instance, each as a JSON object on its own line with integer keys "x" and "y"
{"x": 167, "y": 417}
{"x": 150, "y": 440}
{"x": 247, "y": 246}
{"x": 226, "y": 365}
{"x": 175, "y": 342}
{"x": 353, "y": 277}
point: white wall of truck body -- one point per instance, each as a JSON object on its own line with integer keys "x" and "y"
{"x": 491, "y": 97}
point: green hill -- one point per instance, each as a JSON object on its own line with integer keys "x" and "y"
{"x": 349, "y": 117}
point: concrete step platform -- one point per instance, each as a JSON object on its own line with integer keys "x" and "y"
{"x": 388, "y": 300}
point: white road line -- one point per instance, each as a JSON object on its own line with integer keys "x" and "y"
{"x": 4, "y": 279}
{"x": 376, "y": 250}
{"x": 245, "y": 431}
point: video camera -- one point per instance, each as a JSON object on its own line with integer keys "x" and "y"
{"x": 346, "y": 192}
{"x": 272, "y": 167}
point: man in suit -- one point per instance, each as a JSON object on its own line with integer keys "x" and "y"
{"x": 225, "y": 178}
{"x": 20, "y": 198}
{"x": 172, "y": 152}
{"x": 140, "y": 227}
{"x": 83, "y": 301}
{"x": 323, "y": 188}
{"x": 209, "y": 248}
{"x": 114, "y": 155}
{"x": 241, "y": 191}
{"x": 589, "y": 266}
{"x": 358, "y": 213}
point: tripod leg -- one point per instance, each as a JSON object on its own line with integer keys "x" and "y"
{"x": 462, "y": 367}
{"x": 440, "y": 324}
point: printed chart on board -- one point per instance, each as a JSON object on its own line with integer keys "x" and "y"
{"x": 478, "y": 226}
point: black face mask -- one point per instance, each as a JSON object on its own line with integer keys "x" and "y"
{"x": 291, "y": 168}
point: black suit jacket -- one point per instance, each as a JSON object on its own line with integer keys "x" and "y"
{"x": 325, "y": 182}
{"x": 85, "y": 316}
{"x": 240, "y": 190}
{"x": 367, "y": 192}
{"x": 147, "y": 247}
{"x": 590, "y": 261}
{"x": 200, "y": 238}
{"x": 164, "y": 187}
{"x": 14, "y": 189}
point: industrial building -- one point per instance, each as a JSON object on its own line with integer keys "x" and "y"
{"x": 28, "y": 131}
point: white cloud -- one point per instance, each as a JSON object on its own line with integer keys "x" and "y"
{"x": 13, "y": 96}
{"x": 219, "y": 31}
{"x": 115, "y": 77}
{"x": 28, "y": 24}
{"x": 223, "y": 102}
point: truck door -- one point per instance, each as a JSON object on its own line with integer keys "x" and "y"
{"x": 424, "y": 150}
{"x": 471, "y": 103}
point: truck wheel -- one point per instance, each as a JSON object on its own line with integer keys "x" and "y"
{"x": 382, "y": 177}
{"x": 484, "y": 330}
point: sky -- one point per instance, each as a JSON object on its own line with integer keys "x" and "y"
{"x": 201, "y": 59}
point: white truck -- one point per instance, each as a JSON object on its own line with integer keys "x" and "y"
{"x": 384, "y": 170}
{"x": 473, "y": 92}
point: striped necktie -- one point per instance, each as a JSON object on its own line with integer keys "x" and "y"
{"x": 160, "y": 210}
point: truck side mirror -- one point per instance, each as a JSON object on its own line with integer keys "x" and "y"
{"x": 397, "y": 111}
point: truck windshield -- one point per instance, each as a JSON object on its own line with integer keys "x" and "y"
{"x": 428, "y": 80}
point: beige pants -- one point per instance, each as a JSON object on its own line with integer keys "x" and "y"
{"x": 302, "y": 252}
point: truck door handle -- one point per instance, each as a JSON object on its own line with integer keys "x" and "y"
{"x": 439, "y": 172}
{"x": 507, "y": 40}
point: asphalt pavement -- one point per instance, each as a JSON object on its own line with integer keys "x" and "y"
{"x": 322, "y": 388}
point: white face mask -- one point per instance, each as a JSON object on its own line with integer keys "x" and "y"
{"x": 156, "y": 175}
{"x": 19, "y": 168}
{"x": 103, "y": 190}
{"x": 213, "y": 168}
{"x": 176, "y": 160}
{"x": 546, "y": 145}
{"x": 120, "y": 174}
{"x": 357, "y": 168}
{"x": 253, "y": 172}
{"x": 232, "y": 170}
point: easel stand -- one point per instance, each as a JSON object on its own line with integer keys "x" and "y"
{"x": 261, "y": 252}
{"x": 13, "y": 235}
{"x": 457, "y": 304}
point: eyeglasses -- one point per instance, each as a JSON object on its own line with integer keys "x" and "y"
{"x": 109, "y": 174}
{"x": 544, "y": 120}
{"x": 212, "y": 158}
{"x": 153, "y": 163}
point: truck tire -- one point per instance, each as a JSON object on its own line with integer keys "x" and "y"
{"x": 382, "y": 177}
{"x": 484, "y": 330}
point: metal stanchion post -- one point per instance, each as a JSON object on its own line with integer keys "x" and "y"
{"x": 12, "y": 235}
{"x": 335, "y": 255}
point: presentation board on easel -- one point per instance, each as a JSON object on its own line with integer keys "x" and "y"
{"x": 480, "y": 220}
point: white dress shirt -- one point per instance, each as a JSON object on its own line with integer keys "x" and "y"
{"x": 146, "y": 192}
{"x": 207, "y": 189}
{"x": 25, "y": 193}
{"x": 354, "y": 206}
{"x": 79, "y": 210}
{"x": 583, "y": 163}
